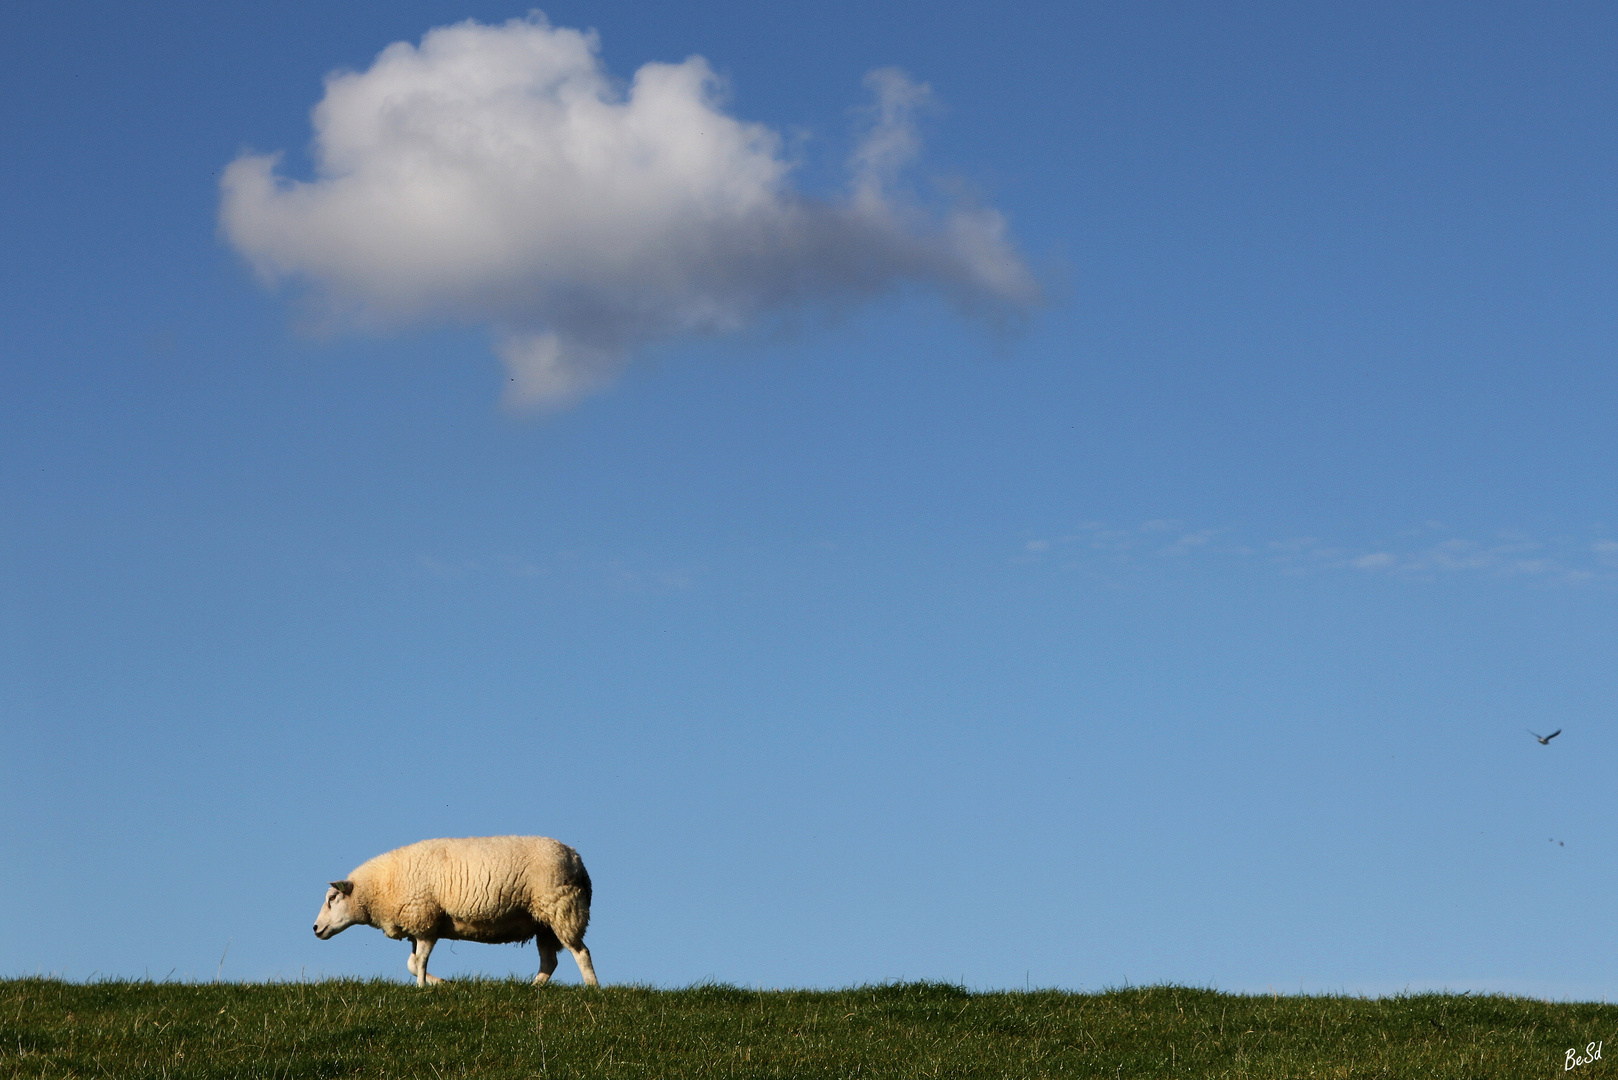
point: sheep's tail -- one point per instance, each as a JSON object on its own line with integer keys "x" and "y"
{"x": 583, "y": 883}
{"x": 567, "y": 908}
{"x": 569, "y": 913}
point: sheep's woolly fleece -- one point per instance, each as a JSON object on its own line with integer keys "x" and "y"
{"x": 498, "y": 176}
{"x": 480, "y": 883}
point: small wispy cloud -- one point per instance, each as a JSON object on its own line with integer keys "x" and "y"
{"x": 1427, "y": 552}
{"x": 1507, "y": 555}
{"x": 499, "y": 176}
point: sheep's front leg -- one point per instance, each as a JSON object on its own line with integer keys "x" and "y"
{"x": 417, "y": 964}
{"x": 547, "y": 965}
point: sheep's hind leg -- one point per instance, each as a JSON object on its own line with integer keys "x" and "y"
{"x": 547, "y": 962}
{"x": 581, "y": 956}
{"x": 423, "y": 948}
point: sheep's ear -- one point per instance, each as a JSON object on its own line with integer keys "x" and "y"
{"x": 344, "y": 887}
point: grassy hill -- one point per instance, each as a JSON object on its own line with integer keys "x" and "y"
{"x": 507, "y": 1029}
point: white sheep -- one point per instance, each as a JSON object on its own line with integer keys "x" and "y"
{"x": 496, "y": 889}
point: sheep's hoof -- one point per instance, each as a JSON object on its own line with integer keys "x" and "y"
{"x": 541, "y": 979}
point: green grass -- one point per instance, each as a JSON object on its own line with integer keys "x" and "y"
{"x": 508, "y": 1029}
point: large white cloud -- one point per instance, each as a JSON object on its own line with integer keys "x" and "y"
{"x": 498, "y": 175}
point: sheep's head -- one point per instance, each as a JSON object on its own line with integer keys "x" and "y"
{"x": 339, "y": 912}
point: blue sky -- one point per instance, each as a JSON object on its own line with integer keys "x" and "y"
{"x": 1181, "y": 623}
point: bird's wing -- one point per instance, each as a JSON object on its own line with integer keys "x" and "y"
{"x": 1535, "y": 734}
{"x": 1553, "y": 734}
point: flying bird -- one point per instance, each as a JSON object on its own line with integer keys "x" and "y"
{"x": 1545, "y": 740}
